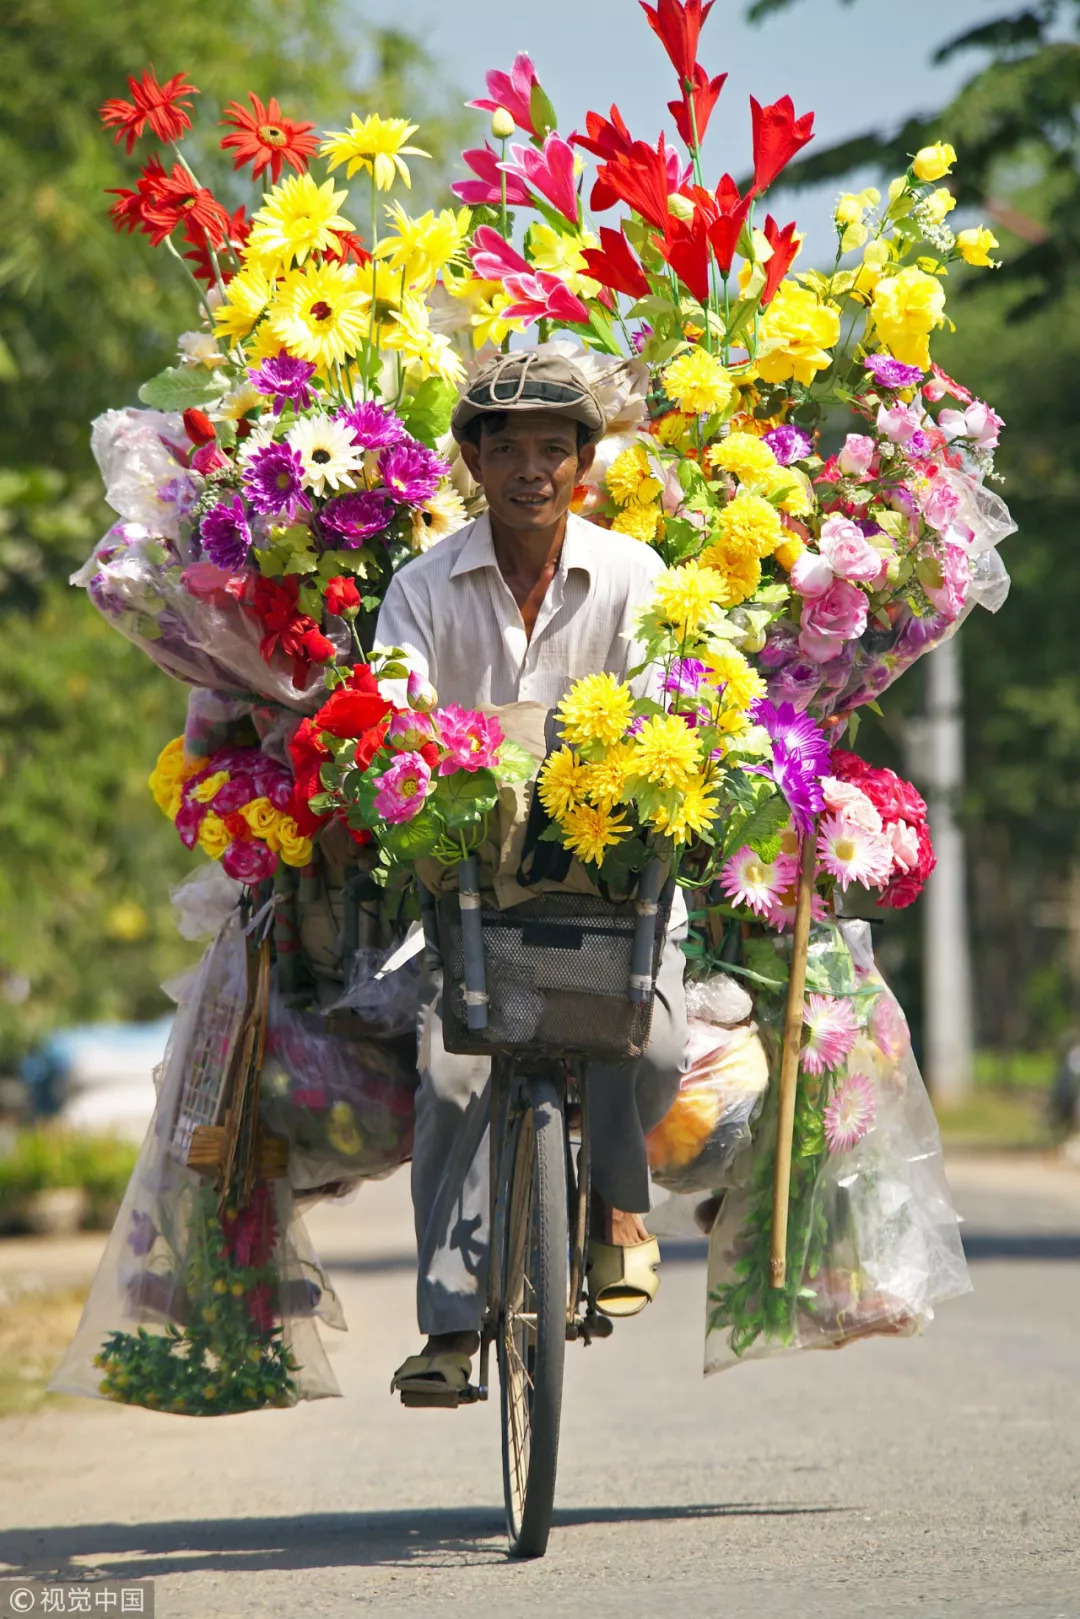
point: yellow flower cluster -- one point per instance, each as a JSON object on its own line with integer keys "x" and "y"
{"x": 685, "y": 597}
{"x": 697, "y": 384}
{"x": 906, "y": 308}
{"x": 640, "y": 522}
{"x": 276, "y": 829}
{"x": 172, "y": 770}
{"x": 797, "y": 332}
{"x": 630, "y": 478}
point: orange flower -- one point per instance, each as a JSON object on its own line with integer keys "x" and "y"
{"x": 264, "y": 138}
{"x": 159, "y": 105}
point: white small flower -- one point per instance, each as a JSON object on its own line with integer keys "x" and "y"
{"x": 200, "y": 348}
{"x": 327, "y": 450}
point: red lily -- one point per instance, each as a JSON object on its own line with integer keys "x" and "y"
{"x": 785, "y": 244}
{"x": 678, "y": 27}
{"x": 685, "y": 246}
{"x": 729, "y": 211}
{"x": 264, "y": 138}
{"x": 705, "y": 95}
{"x": 643, "y": 179}
{"x": 605, "y": 138}
{"x": 778, "y": 135}
{"x": 159, "y": 105}
{"x": 614, "y": 265}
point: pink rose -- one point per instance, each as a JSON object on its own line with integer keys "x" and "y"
{"x": 939, "y": 503}
{"x": 249, "y": 862}
{"x": 897, "y": 422}
{"x": 830, "y": 620}
{"x": 905, "y": 844}
{"x": 977, "y": 422}
{"x": 844, "y": 798}
{"x": 848, "y": 552}
{"x": 950, "y": 595}
{"x": 811, "y": 574}
{"x": 856, "y": 456}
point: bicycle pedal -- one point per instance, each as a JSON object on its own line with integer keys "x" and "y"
{"x": 446, "y": 1399}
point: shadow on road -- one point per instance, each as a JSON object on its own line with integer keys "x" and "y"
{"x": 324, "y": 1540}
{"x": 1021, "y": 1244}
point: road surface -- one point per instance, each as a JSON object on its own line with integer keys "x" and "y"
{"x": 936, "y": 1476}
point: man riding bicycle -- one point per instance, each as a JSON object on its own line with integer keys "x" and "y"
{"x": 516, "y": 606}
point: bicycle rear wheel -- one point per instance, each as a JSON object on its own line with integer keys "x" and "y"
{"x": 531, "y": 1340}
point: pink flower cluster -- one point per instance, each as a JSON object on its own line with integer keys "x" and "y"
{"x": 426, "y": 745}
{"x": 875, "y": 832}
{"x": 250, "y": 782}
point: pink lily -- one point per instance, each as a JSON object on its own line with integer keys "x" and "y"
{"x": 549, "y": 171}
{"x": 484, "y": 162}
{"x": 511, "y": 90}
{"x": 542, "y": 296}
{"x": 493, "y": 257}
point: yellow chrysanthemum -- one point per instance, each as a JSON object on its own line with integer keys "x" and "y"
{"x": 561, "y": 782}
{"x": 320, "y": 314}
{"x": 298, "y": 217}
{"x": 606, "y": 778}
{"x": 796, "y": 499}
{"x": 630, "y": 477}
{"x": 443, "y": 514}
{"x": 697, "y": 384}
{"x": 694, "y": 813}
{"x": 790, "y": 551}
{"x": 420, "y": 248}
{"x": 684, "y": 597}
{"x": 589, "y": 832}
{"x": 741, "y": 682}
{"x": 906, "y": 309}
{"x": 427, "y": 352}
{"x": 797, "y": 331}
{"x": 250, "y": 292}
{"x": 640, "y": 522}
{"x": 667, "y": 752}
{"x": 739, "y": 573}
{"x": 747, "y": 457}
{"x": 673, "y": 428}
{"x": 376, "y": 144}
{"x": 597, "y": 708}
{"x": 749, "y": 526}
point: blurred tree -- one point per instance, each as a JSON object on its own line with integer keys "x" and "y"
{"x": 1016, "y": 129}
{"x": 86, "y": 860}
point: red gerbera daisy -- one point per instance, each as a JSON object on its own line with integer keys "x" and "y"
{"x": 264, "y": 138}
{"x": 159, "y": 105}
{"x": 177, "y": 199}
{"x": 350, "y": 246}
{"x": 237, "y": 232}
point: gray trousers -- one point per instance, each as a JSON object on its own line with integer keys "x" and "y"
{"x": 451, "y": 1170}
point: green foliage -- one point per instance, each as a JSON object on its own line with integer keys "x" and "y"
{"x": 45, "y": 1158}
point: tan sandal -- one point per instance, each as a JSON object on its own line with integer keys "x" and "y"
{"x": 622, "y": 1281}
{"x": 440, "y": 1380}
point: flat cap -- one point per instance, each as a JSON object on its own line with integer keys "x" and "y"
{"x": 529, "y": 379}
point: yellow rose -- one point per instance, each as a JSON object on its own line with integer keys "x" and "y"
{"x": 214, "y": 836}
{"x": 797, "y": 332}
{"x": 168, "y": 775}
{"x": 906, "y": 309}
{"x": 294, "y": 850}
{"x": 975, "y": 245}
{"x": 261, "y": 816}
{"x": 938, "y": 204}
{"x": 206, "y": 790}
{"x": 932, "y": 162}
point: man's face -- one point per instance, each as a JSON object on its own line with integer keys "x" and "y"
{"x": 528, "y": 468}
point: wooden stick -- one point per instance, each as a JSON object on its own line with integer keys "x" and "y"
{"x": 789, "y": 1061}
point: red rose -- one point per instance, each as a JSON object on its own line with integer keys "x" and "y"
{"x": 307, "y": 753}
{"x": 315, "y": 645}
{"x": 847, "y": 766}
{"x": 907, "y": 886}
{"x": 894, "y": 798}
{"x": 349, "y": 712}
{"x": 370, "y": 743}
{"x": 198, "y": 427}
{"x": 363, "y": 679}
{"x": 341, "y": 596}
{"x": 237, "y": 827}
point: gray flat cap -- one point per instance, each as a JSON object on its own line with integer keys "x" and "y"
{"x": 529, "y": 379}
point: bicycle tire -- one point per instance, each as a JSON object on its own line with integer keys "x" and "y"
{"x": 531, "y": 1343}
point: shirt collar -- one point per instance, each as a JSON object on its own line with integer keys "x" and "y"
{"x": 478, "y": 550}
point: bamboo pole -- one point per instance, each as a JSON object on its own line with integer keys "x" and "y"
{"x": 789, "y": 1061}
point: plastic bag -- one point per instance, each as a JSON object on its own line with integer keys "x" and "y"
{"x": 344, "y": 1105}
{"x": 720, "y": 1093}
{"x": 385, "y": 988}
{"x": 873, "y": 1237}
{"x": 191, "y": 1313}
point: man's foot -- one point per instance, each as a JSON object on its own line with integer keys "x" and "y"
{"x": 623, "y": 1261}
{"x": 439, "y": 1375}
{"x": 452, "y": 1343}
{"x": 616, "y": 1226}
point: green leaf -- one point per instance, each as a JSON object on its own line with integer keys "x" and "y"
{"x": 463, "y": 798}
{"x": 829, "y": 967}
{"x": 623, "y": 861}
{"x": 411, "y": 840}
{"x": 515, "y": 763}
{"x": 541, "y": 113}
{"x": 183, "y": 387}
{"x": 426, "y": 413}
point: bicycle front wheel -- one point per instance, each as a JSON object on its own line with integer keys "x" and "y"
{"x": 532, "y": 1327}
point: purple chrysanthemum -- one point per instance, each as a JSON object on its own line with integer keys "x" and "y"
{"x": 275, "y": 482}
{"x": 225, "y": 535}
{"x": 789, "y": 443}
{"x": 351, "y": 519}
{"x": 641, "y": 336}
{"x": 286, "y": 379}
{"x": 373, "y": 426}
{"x": 800, "y": 757}
{"x": 890, "y": 373}
{"x": 411, "y": 472}
{"x": 918, "y": 444}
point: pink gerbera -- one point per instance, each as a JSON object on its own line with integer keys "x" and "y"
{"x": 852, "y": 853}
{"x": 850, "y": 1113}
{"x": 831, "y": 1032}
{"x": 749, "y": 881}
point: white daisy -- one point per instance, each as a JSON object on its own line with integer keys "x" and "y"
{"x": 852, "y": 854}
{"x": 443, "y": 514}
{"x": 327, "y": 450}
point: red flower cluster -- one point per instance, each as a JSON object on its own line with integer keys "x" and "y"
{"x": 162, "y": 106}
{"x": 251, "y": 1234}
{"x": 895, "y": 800}
{"x": 355, "y": 710}
{"x": 274, "y": 601}
{"x": 162, "y": 202}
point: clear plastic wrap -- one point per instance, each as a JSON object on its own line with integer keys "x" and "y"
{"x": 873, "y": 1237}
{"x": 719, "y": 1095}
{"x": 189, "y": 1312}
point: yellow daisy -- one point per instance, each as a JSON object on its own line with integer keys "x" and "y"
{"x": 748, "y": 526}
{"x": 684, "y": 597}
{"x": 697, "y": 383}
{"x": 597, "y": 708}
{"x": 747, "y": 457}
{"x": 589, "y": 832}
{"x": 376, "y": 144}
{"x": 630, "y": 478}
{"x": 666, "y": 751}
{"x": 420, "y": 248}
{"x": 640, "y": 522}
{"x": 561, "y": 782}
{"x": 250, "y": 292}
{"x": 299, "y": 217}
{"x": 320, "y": 314}
{"x": 443, "y": 514}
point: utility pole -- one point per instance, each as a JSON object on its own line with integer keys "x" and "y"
{"x": 939, "y": 740}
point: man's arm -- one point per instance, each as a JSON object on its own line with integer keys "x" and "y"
{"x": 403, "y": 623}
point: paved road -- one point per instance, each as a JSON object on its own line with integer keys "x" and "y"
{"x": 934, "y": 1477}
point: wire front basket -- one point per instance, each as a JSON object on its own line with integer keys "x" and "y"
{"x": 563, "y": 974}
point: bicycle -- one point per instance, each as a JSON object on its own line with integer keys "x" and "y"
{"x": 587, "y": 969}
